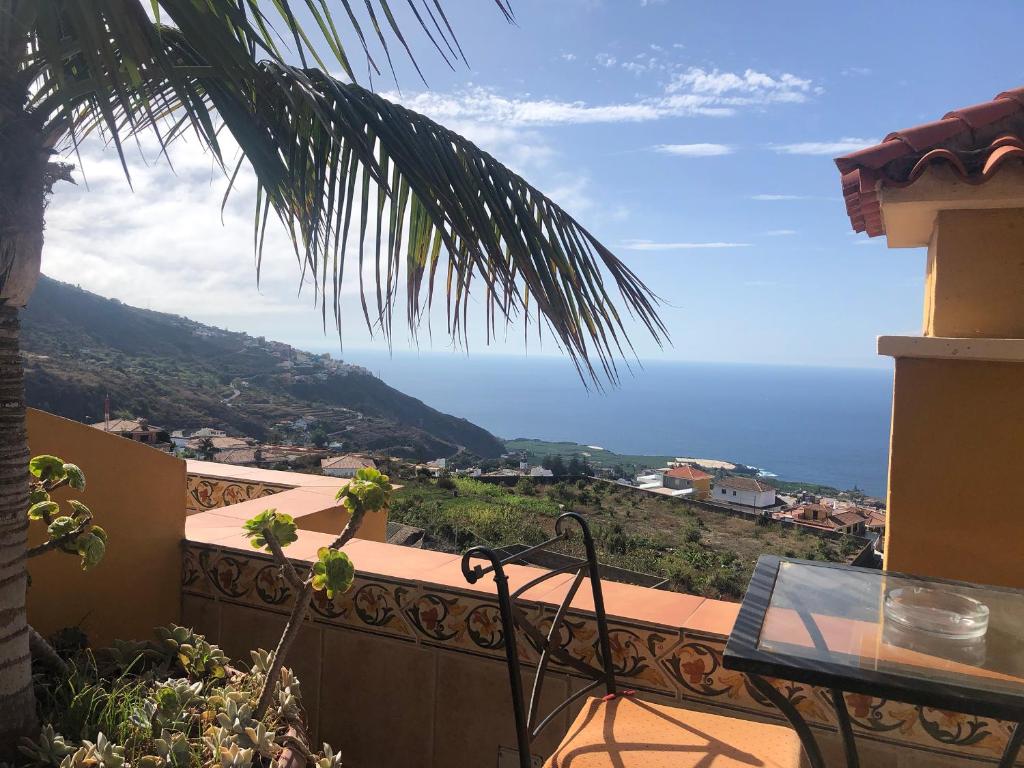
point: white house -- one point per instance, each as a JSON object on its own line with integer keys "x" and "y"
{"x": 745, "y": 491}
{"x": 541, "y": 472}
{"x": 345, "y": 466}
{"x": 180, "y": 437}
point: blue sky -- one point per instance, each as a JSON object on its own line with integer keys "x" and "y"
{"x": 695, "y": 139}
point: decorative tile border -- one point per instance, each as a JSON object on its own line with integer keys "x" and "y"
{"x": 687, "y": 666}
{"x": 204, "y": 492}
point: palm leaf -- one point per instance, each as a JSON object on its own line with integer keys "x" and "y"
{"x": 322, "y": 148}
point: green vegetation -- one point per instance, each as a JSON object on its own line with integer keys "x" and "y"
{"x": 697, "y": 550}
{"x": 175, "y": 702}
{"x": 333, "y": 572}
{"x": 180, "y": 374}
{"x": 73, "y": 533}
{"x": 537, "y": 450}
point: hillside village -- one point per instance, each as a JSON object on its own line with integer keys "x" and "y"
{"x": 711, "y": 484}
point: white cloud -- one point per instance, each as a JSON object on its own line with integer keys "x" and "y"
{"x": 856, "y": 72}
{"x": 838, "y": 147}
{"x": 780, "y": 232}
{"x": 649, "y": 245}
{"x": 606, "y": 60}
{"x": 690, "y": 93}
{"x": 757, "y": 86}
{"x": 695, "y": 150}
{"x": 569, "y": 57}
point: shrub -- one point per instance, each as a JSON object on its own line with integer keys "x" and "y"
{"x": 526, "y": 487}
{"x": 149, "y": 705}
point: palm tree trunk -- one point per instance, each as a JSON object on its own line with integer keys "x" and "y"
{"x": 17, "y": 704}
{"x": 25, "y": 179}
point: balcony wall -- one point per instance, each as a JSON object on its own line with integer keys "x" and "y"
{"x": 134, "y": 491}
{"x": 407, "y": 669}
{"x": 235, "y": 494}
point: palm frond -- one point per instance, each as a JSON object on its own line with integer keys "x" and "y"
{"x": 338, "y": 163}
{"x": 436, "y": 191}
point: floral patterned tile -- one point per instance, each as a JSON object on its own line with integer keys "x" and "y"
{"x": 205, "y": 493}
{"x": 927, "y": 727}
{"x": 656, "y": 659}
{"x": 694, "y": 665}
{"x": 369, "y": 605}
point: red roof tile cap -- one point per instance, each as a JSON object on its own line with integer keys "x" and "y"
{"x": 974, "y": 141}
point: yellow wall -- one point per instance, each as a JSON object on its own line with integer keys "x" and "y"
{"x": 956, "y": 498}
{"x": 332, "y": 520}
{"x": 134, "y": 492}
{"x": 975, "y": 277}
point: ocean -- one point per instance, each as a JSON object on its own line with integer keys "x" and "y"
{"x": 823, "y": 425}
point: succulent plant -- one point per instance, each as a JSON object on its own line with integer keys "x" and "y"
{"x": 102, "y": 754}
{"x": 126, "y": 653}
{"x": 50, "y": 749}
{"x": 216, "y": 738}
{"x": 261, "y": 660}
{"x": 168, "y": 705}
{"x": 330, "y": 759}
{"x": 197, "y": 656}
{"x": 281, "y": 526}
{"x": 368, "y": 491}
{"x": 289, "y": 696}
{"x": 235, "y": 717}
{"x": 259, "y": 739}
{"x": 333, "y": 571}
{"x": 72, "y": 533}
{"x": 173, "y": 748}
{"x": 235, "y": 757}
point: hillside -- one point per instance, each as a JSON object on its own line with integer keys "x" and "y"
{"x": 79, "y": 347}
{"x": 696, "y": 549}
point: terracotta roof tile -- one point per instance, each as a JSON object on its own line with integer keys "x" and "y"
{"x": 742, "y": 483}
{"x": 347, "y": 461}
{"x": 974, "y": 141}
{"x": 688, "y": 473}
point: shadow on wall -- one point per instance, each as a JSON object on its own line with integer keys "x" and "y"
{"x": 136, "y": 495}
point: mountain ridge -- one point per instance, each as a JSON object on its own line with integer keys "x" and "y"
{"x": 79, "y": 347}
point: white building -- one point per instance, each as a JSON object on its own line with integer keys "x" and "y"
{"x": 744, "y": 491}
{"x": 345, "y": 466}
{"x": 541, "y": 472}
{"x": 180, "y": 437}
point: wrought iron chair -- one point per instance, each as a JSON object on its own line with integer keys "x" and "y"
{"x": 527, "y": 727}
{"x": 615, "y": 725}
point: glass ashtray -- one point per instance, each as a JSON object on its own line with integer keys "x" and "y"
{"x": 941, "y": 613}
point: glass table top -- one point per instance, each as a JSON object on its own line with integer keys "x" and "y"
{"x": 932, "y": 630}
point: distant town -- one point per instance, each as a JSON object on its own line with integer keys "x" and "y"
{"x": 711, "y": 483}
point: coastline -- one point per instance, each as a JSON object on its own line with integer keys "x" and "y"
{"x": 597, "y": 456}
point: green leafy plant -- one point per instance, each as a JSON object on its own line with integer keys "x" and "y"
{"x": 101, "y": 715}
{"x": 281, "y": 527}
{"x": 332, "y": 573}
{"x": 69, "y": 530}
{"x": 197, "y": 656}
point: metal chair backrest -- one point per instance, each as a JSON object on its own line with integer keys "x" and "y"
{"x": 546, "y": 642}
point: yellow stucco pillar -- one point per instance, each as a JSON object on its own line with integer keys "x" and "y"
{"x": 975, "y": 278}
{"x": 956, "y": 464}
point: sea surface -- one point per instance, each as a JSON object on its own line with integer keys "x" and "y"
{"x": 823, "y": 425}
